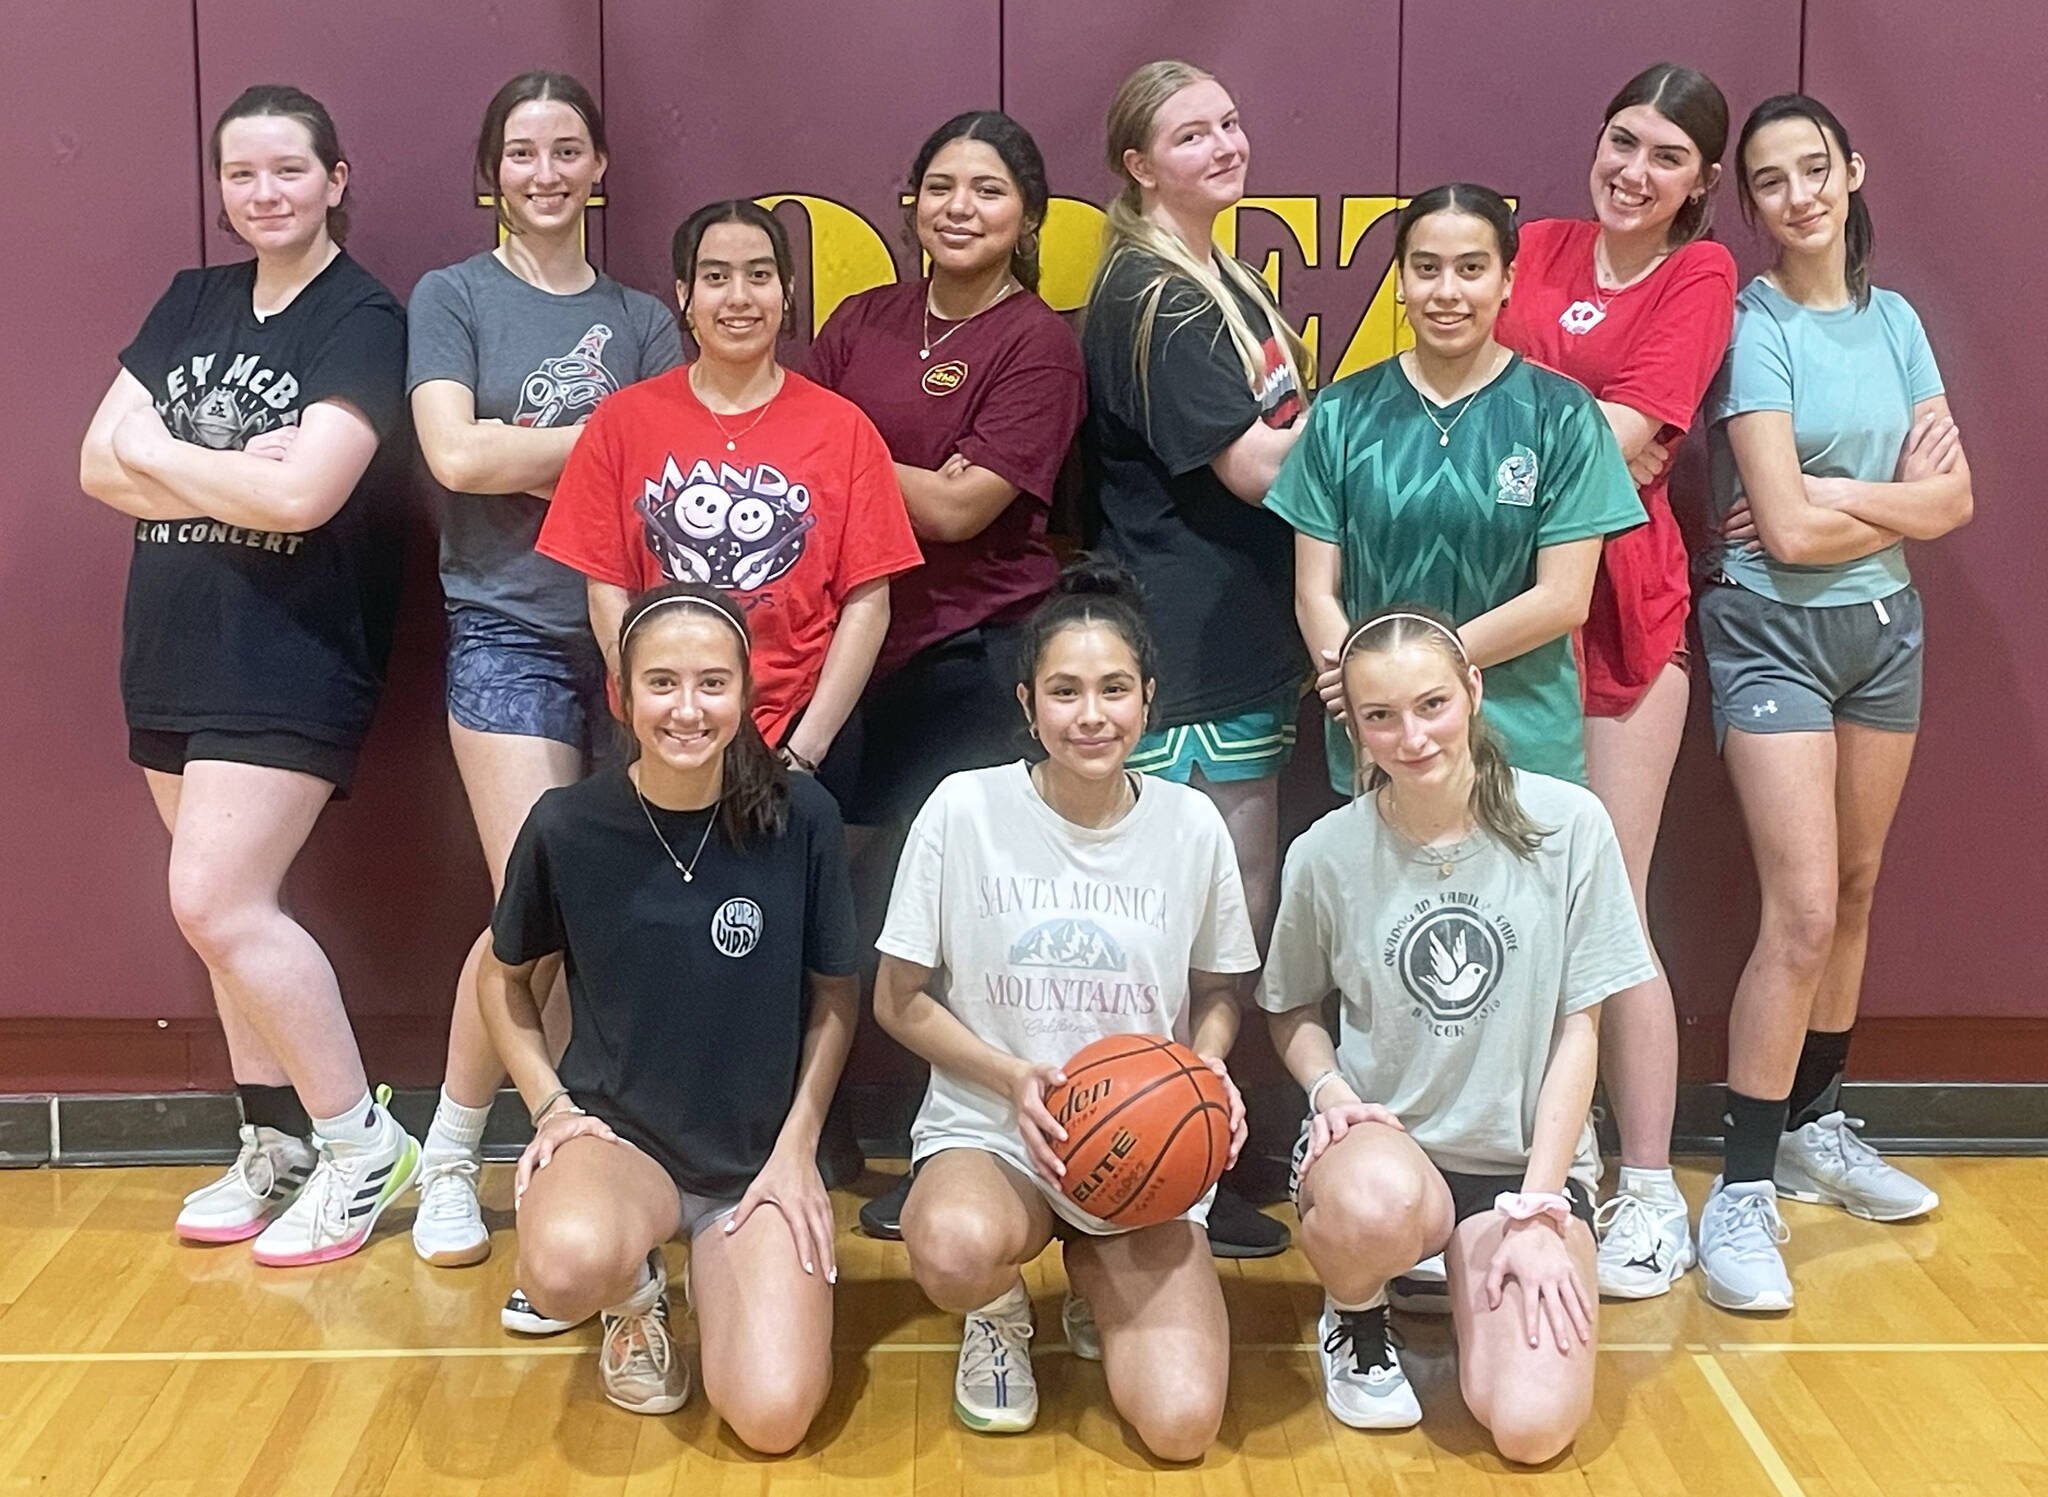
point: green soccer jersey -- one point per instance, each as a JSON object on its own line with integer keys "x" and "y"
{"x": 1456, "y": 524}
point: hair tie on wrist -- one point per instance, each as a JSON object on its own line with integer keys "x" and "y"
{"x": 1315, "y": 1086}
{"x": 1527, "y": 1205}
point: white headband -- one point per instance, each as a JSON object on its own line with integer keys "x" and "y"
{"x": 1420, "y": 618}
{"x": 679, "y": 600}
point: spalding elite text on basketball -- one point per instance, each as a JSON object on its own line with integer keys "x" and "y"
{"x": 1148, "y": 1129}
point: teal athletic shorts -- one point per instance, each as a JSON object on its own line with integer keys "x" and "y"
{"x": 1251, "y": 745}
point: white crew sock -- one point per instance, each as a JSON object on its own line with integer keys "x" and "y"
{"x": 456, "y": 1129}
{"x": 360, "y": 1127}
{"x": 1012, "y": 1304}
{"x": 1649, "y": 1185}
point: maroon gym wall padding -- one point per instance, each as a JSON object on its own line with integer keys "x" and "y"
{"x": 830, "y": 100}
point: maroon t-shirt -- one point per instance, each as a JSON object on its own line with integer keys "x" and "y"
{"x": 1004, "y": 390}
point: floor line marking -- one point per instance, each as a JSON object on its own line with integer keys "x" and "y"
{"x": 1698, "y": 1352}
{"x": 1753, "y": 1434}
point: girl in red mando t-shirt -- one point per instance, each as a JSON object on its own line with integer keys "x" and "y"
{"x": 1636, "y": 305}
{"x": 742, "y": 474}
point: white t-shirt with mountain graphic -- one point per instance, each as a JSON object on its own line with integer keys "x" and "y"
{"x": 1044, "y": 936}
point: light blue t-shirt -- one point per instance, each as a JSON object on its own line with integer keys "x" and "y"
{"x": 1850, "y": 378}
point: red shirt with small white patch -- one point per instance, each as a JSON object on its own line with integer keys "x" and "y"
{"x": 801, "y": 510}
{"x": 1653, "y": 346}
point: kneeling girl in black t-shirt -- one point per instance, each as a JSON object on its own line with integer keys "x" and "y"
{"x": 699, "y": 899}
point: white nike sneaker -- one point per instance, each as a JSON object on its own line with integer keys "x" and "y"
{"x": 1077, "y": 1319}
{"x": 994, "y": 1389}
{"x": 448, "y": 1230}
{"x": 1645, "y": 1246}
{"x": 1827, "y": 1163}
{"x": 640, "y": 1366}
{"x": 1740, "y": 1233}
{"x": 257, "y": 1187}
{"x": 1363, "y": 1384}
{"x": 350, "y": 1188}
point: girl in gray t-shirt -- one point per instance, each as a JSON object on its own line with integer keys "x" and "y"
{"x": 1471, "y": 918}
{"x": 510, "y": 350}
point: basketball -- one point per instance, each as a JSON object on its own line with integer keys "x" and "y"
{"x": 1148, "y": 1129}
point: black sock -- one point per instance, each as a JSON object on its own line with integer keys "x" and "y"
{"x": 274, "y": 1107}
{"x": 1751, "y": 1150}
{"x": 1817, "y": 1087}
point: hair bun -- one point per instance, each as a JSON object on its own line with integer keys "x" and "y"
{"x": 1093, "y": 575}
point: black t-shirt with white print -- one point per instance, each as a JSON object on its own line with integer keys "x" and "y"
{"x": 1218, "y": 573}
{"x": 241, "y": 630}
{"x": 687, "y": 999}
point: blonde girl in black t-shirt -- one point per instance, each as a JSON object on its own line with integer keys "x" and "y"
{"x": 243, "y": 435}
{"x": 1195, "y": 381}
{"x": 699, "y": 903}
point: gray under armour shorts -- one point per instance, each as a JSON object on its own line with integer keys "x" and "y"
{"x": 1782, "y": 668}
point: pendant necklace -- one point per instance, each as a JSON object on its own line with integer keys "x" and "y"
{"x": 1443, "y": 432}
{"x": 732, "y": 438}
{"x": 1445, "y": 861}
{"x": 690, "y": 873}
{"x": 928, "y": 342}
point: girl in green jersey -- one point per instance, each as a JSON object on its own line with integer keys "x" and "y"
{"x": 1461, "y": 476}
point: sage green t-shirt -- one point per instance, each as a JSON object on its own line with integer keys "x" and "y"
{"x": 1455, "y": 986}
{"x": 1530, "y": 463}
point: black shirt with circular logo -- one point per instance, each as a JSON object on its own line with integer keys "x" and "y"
{"x": 687, "y": 998}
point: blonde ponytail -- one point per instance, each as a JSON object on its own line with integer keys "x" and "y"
{"x": 1132, "y": 114}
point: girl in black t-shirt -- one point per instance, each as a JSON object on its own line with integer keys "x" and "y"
{"x": 1195, "y": 382}
{"x": 246, "y": 435}
{"x": 700, "y": 903}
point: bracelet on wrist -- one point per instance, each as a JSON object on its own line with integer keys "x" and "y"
{"x": 551, "y": 1103}
{"x": 1316, "y": 1086}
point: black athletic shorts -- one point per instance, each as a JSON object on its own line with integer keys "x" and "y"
{"x": 169, "y": 753}
{"x": 1473, "y": 1194}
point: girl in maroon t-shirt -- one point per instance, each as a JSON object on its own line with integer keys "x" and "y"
{"x": 1636, "y": 305}
{"x": 976, "y": 386}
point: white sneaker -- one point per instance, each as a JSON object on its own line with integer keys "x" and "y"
{"x": 1363, "y": 1384}
{"x": 257, "y": 1187}
{"x": 448, "y": 1230}
{"x": 350, "y": 1188}
{"x": 1645, "y": 1245}
{"x": 1740, "y": 1232}
{"x": 1825, "y": 1162}
{"x": 1423, "y": 1290}
{"x": 994, "y": 1389}
{"x": 640, "y": 1366}
{"x": 518, "y": 1316}
{"x": 1077, "y": 1319}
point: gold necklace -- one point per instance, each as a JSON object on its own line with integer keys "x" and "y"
{"x": 925, "y": 318}
{"x": 1444, "y": 432}
{"x": 690, "y": 873}
{"x": 1123, "y": 808}
{"x": 1446, "y": 861}
{"x": 732, "y": 439}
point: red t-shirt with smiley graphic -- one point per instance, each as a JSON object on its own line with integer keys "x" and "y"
{"x": 801, "y": 510}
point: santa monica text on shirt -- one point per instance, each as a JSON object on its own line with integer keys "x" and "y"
{"x": 1005, "y": 894}
{"x": 195, "y": 532}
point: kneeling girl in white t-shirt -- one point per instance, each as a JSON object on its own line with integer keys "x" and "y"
{"x": 1038, "y": 908}
{"x": 1472, "y": 918}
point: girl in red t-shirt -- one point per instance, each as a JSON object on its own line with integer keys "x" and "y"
{"x": 734, "y": 471}
{"x": 1636, "y": 305}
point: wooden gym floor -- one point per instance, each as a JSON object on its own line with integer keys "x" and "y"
{"x": 1917, "y": 1362}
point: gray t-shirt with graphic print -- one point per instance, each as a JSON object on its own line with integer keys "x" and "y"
{"x": 531, "y": 358}
{"x": 1456, "y": 986}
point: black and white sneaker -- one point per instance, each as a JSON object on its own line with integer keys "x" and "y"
{"x": 1363, "y": 1384}
{"x": 519, "y": 1317}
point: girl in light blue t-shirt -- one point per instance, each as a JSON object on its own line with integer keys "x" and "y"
{"x": 1832, "y": 445}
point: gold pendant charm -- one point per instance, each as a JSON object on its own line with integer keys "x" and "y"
{"x": 732, "y": 447}
{"x": 1443, "y": 870}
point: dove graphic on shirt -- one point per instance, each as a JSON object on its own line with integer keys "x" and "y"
{"x": 1451, "y": 977}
